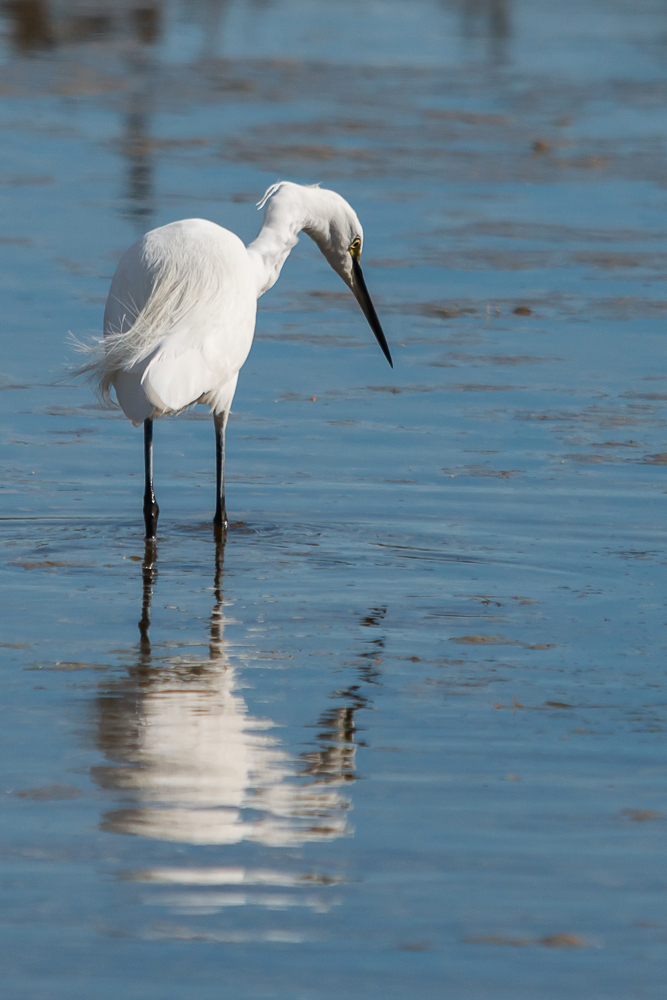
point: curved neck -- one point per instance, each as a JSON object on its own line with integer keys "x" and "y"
{"x": 268, "y": 253}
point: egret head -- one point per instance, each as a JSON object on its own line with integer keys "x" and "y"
{"x": 333, "y": 224}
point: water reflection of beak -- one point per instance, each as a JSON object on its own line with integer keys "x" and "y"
{"x": 363, "y": 298}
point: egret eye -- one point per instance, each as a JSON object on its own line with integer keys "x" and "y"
{"x": 355, "y": 247}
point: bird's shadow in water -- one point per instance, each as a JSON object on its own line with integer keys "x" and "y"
{"x": 194, "y": 766}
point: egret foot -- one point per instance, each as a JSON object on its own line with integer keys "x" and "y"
{"x": 220, "y": 525}
{"x": 151, "y": 514}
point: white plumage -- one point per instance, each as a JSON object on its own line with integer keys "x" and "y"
{"x": 200, "y": 769}
{"x": 180, "y": 315}
{"x": 179, "y": 320}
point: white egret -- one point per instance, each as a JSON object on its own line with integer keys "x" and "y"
{"x": 180, "y": 316}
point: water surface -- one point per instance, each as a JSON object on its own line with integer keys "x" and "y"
{"x": 403, "y": 736}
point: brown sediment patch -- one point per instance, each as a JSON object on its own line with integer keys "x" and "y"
{"x": 480, "y": 387}
{"x": 615, "y": 444}
{"x": 603, "y": 417}
{"x": 50, "y": 564}
{"x": 483, "y": 640}
{"x": 76, "y": 431}
{"x": 507, "y": 940}
{"x": 500, "y": 939}
{"x": 482, "y": 472}
{"x": 314, "y": 878}
{"x": 396, "y": 390}
{"x": 560, "y": 705}
{"x": 72, "y": 665}
{"x": 582, "y": 162}
{"x": 487, "y": 599}
{"x": 550, "y": 233}
{"x": 317, "y": 301}
{"x": 74, "y": 266}
{"x": 313, "y": 152}
{"x": 235, "y": 86}
{"x": 498, "y": 640}
{"x": 642, "y": 815}
{"x": 650, "y": 396}
{"x": 415, "y": 946}
{"x": 90, "y": 84}
{"x": 389, "y": 263}
{"x": 563, "y": 941}
{"x": 467, "y": 117}
{"x": 629, "y": 307}
{"x": 583, "y": 459}
{"x": 612, "y": 260}
{"x": 49, "y": 793}
{"x": 146, "y": 145}
{"x": 338, "y": 298}
{"x": 555, "y": 304}
{"x": 25, "y": 180}
{"x": 639, "y": 554}
{"x": 353, "y": 125}
{"x": 295, "y": 336}
{"x": 458, "y": 359}
{"x": 65, "y": 411}
{"x": 511, "y": 259}
{"x": 442, "y": 311}
{"x": 495, "y": 258}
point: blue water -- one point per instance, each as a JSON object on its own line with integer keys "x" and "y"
{"x": 403, "y": 736}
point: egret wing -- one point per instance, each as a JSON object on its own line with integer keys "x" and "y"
{"x": 198, "y": 356}
{"x": 181, "y": 315}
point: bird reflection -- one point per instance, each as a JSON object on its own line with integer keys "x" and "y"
{"x": 31, "y": 26}
{"x": 371, "y": 657}
{"x": 135, "y": 142}
{"x": 334, "y": 760}
{"x": 38, "y": 24}
{"x": 195, "y": 767}
{"x": 136, "y": 148}
{"x": 487, "y": 19}
{"x": 129, "y": 29}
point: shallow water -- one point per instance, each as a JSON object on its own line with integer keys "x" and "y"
{"x": 403, "y": 737}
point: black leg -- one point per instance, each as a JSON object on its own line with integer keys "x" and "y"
{"x": 220, "y": 519}
{"x": 151, "y": 509}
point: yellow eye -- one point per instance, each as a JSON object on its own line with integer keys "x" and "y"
{"x": 355, "y": 247}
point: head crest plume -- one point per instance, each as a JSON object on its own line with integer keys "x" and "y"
{"x": 269, "y": 193}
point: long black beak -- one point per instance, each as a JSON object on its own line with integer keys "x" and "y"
{"x": 364, "y": 300}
